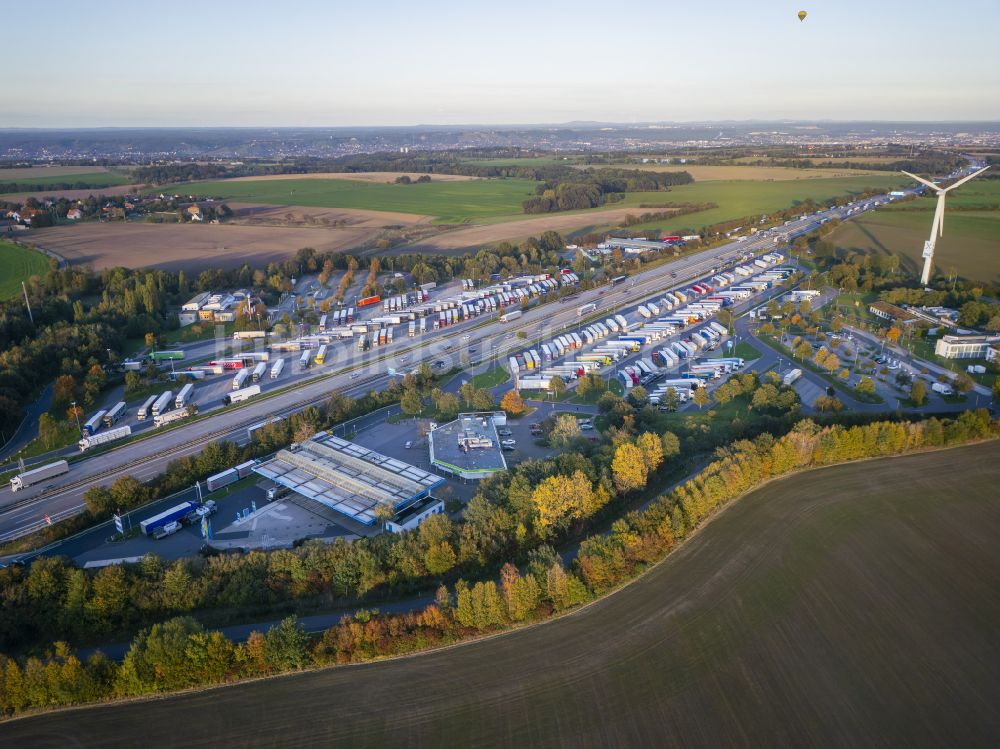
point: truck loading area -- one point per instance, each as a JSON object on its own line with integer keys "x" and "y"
{"x": 348, "y": 478}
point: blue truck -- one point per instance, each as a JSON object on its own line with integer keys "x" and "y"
{"x": 177, "y": 513}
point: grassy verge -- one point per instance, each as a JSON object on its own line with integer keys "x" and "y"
{"x": 18, "y": 264}
{"x": 746, "y": 351}
{"x": 66, "y": 434}
{"x": 497, "y": 375}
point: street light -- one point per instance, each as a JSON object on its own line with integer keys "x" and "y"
{"x": 77, "y": 415}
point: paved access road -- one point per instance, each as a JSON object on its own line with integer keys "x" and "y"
{"x": 25, "y": 512}
{"x": 813, "y": 612}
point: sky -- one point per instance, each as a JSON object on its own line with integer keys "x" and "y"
{"x": 311, "y": 63}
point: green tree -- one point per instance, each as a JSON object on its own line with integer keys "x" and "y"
{"x": 628, "y": 468}
{"x": 701, "y": 397}
{"x": 565, "y": 429}
{"x": 865, "y": 386}
{"x": 440, "y": 558}
{"x": 411, "y": 403}
{"x": 670, "y": 444}
{"x": 918, "y": 392}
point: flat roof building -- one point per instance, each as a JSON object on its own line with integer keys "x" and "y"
{"x": 348, "y": 478}
{"x": 891, "y": 312}
{"x": 468, "y": 447}
{"x": 965, "y": 346}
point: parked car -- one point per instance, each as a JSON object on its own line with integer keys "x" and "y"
{"x": 167, "y": 530}
{"x": 508, "y": 444}
{"x": 409, "y": 444}
{"x": 504, "y": 432}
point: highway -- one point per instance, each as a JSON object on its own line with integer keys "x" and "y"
{"x": 474, "y": 341}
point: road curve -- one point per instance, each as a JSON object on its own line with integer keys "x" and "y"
{"x": 826, "y": 609}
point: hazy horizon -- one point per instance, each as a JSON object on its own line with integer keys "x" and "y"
{"x": 447, "y": 64}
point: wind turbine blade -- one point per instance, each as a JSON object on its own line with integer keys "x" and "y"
{"x": 940, "y": 207}
{"x": 922, "y": 181}
{"x": 966, "y": 179}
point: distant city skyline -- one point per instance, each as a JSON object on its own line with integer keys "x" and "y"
{"x": 312, "y": 64}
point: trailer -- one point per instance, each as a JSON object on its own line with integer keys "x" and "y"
{"x": 170, "y": 416}
{"x": 115, "y": 414}
{"x": 245, "y": 469}
{"x": 307, "y": 357}
{"x": 369, "y": 300}
{"x": 791, "y": 376}
{"x": 243, "y": 394}
{"x": 100, "y": 439}
{"x": 586, "y": 309}
{"x": 260, "y": 425}
{"x": 158, "y": 356}
{"x": 276, "y": 368}
{"x": 38, "y": 475}
{"x": 183, "y": 396}
{"x": 176, "y": 513}
{"x": 249, "y": 335}
{"x": 145, "y": 408}
{"x": 241, "y": 378}
{"x": 93, "y": 424}
{"x": 510, "y": 316}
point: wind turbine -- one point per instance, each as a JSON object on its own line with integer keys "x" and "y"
{"x": 937, "y": 228}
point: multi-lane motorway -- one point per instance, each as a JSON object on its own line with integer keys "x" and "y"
{"x": 475, "y": 341}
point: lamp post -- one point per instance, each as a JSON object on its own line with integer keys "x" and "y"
{"x": 77, "y": 415}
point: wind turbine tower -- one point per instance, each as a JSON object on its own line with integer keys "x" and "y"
{"x": 937, "y": 227}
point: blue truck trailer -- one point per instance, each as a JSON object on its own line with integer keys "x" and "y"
{"x": 167, "y": 516}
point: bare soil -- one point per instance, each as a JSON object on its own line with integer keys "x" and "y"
{"x": 192, "y": 247}
{"x": 474, "y": 237}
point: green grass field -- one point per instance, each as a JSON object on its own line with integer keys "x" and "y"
{"x": 855, "y": 605}
{"x": 971, "y": 241}
{"x": 93, "y": 179}
{"x": 449, "y": 202}
{"x": 745, "y": 198}
{"x": 18, "y": 264}
{"x": 526, "y": 161}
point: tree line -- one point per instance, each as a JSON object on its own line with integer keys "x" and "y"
{"x": 180, "y": 653}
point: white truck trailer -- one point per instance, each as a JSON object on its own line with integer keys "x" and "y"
{"x": 38, "y": 475}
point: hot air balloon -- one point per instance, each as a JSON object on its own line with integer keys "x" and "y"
{"x": 802, "y": 15}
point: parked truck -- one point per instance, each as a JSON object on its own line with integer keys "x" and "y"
{"x": 791, "y": 376}
{"x": 183, "y": 396}
{"x": 229, "y": 476}
{"x": 38, "y": 475}
{"x": 258, "y": 371}
{"x": 115, "y": 414}
{"x": 104, "y": 437}
{"x": 145, "y": 408}
{"x": 162, "y": 404}
{"x": 174, "y": 514}
{"x": 276, "y": 368}
{"x": 510, "y": 316}
{"x": 237, "y": 396}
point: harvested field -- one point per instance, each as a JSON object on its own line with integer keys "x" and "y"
{"x": 258, "y": 213}
{"x": 20, "y": 197}
{"x": 14, "y": 174}
{"x": 188, "y": 246}
{"x": 474, "y": 237}
{"x": 856, "y": 605}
